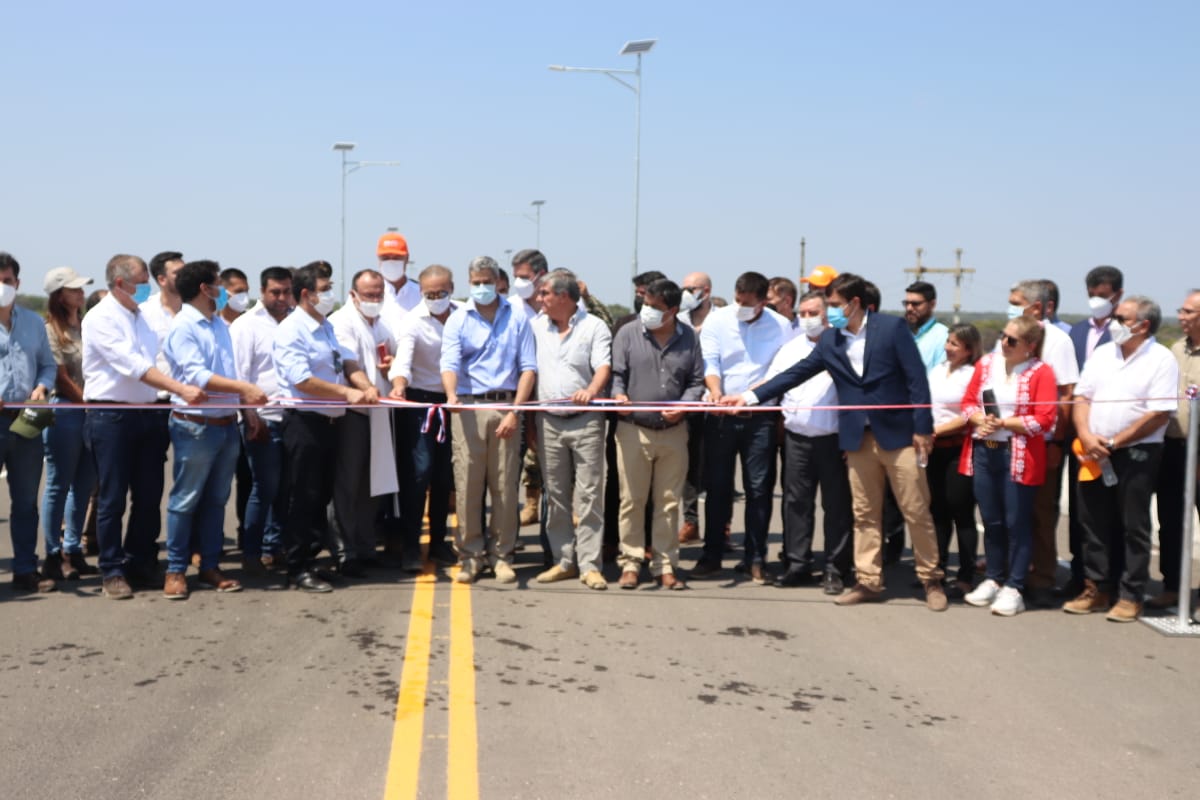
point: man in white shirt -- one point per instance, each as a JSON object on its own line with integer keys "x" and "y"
{"x": 1125, "y": 397}
{"x": 812, "y": 458}
{"x": 129, "y": 447}
{"x": 1028, "y": 297}
{"x": 574, "y": 363}
{"x": 694, "y": 308}
{"x": 423, "y": 461}
{"x": 161, "y": 308}
{"x": 361, "y": 332}
{"x": 738, "y": 343}
{"x": 528, "y": 267}
{"x": 401, "y": 295}
{"x": 253, "y": 336}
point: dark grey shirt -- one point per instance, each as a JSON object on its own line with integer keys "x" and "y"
{"x": 647, "y": 373}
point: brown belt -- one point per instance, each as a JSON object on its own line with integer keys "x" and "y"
{"x": 202, "y": 420}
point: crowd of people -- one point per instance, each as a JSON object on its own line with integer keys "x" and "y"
{"x": 347, "y": 428}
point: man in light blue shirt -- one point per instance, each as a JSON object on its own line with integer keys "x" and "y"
{"x": 488, "y": 357}
{"x": 738, "y": 343}
{"x": 205, "y": 441}
{"x": 920, "y": 301}
{"x": 311, "y": 366}
{"x": 27, "y": 372}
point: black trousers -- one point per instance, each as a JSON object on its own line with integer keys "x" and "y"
{"x": 727, "y": 438}
{"x": 952, "y": 504}
{"x": 810, "y": 462}
{"x": 1172, "y": 481}
{"x": 1120, "y": 516}
{"x": 309, "y": 452}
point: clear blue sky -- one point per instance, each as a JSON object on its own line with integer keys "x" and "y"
{"x": 1044, "y": 138}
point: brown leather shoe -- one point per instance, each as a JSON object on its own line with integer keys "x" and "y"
{"x": 214, "y": 579}
{"x": 175, "y": 586}
{"x": 1090, "y": 600}
{"x": 34, "y": 582}
{"x": 629, "y": 579}
{"x": 116, "y": 588}
{"x": 689, "y": 532}
{"x": 1124, "y": 611}
{"x": 56, "y": 568}
{"x": 935, "y": 596}
{"x": 1160, "y": 601}
{"x": 859, "y": 594}
{"x": 668, "y": 581}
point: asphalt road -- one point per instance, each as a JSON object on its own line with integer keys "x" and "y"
{"x": 404, "y": 687}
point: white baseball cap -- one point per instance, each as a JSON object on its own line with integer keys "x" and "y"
{"x": 63, "y": 278}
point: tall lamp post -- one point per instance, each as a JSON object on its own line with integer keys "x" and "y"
{"x": 636, "y": 47}
{"x": 535, "y": 218}
{"x": 347, "y": 168}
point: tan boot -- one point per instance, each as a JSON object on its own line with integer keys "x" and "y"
{"x": 1089, "y": 601}
{"x": 533, "y": 504}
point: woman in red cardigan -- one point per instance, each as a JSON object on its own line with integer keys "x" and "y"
{"x": 1011, "y": 405}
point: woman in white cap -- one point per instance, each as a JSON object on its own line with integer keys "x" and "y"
{"x": 70, "y": 471}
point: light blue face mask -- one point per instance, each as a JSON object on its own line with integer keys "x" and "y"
{"x": 837, "y": 317}
{"x": 483, "y": 293}
{"x": 1015, "y": 311}
{"x": 141, "y": 294}
{"x": 222, "y": 299}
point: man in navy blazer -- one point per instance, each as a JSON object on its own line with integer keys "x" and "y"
{"x": 1105, "y": 286}
{"x": 874, "y": 362}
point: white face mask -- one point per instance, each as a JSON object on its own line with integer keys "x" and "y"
{"x": 239, "y": 302}
{"x": 652, "y": 318}
{"x": 1120, "y": 333}
{"x": 439, "y": 306}
{"x": 522, "y": 288}
{"x": 1100, "y": 307}
{"x": 324, "y": 303}
{"x": 812, "y": 326}
{"x": 1015, "y": 311}
{"x": 7, "y": 295}
{"x": 393, "y": 270}
{"x": 691, "y": 300}
{"x": 746, "y": 313}
{"x": 370, "y": 310}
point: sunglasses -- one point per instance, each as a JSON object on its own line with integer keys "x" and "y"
{"x": 1011, "y": 341}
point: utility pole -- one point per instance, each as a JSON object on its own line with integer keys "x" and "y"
{"x": 920, "y": 271}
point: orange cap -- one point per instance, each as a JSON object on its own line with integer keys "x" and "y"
{"x": 392, "y": 244}
{"x": 821, "y": 276}
{"x": 1088, "y": 470}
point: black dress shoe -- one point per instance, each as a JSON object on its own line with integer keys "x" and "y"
{"x": 443, "y": 555}
{"x": 795, "y": 577}
{"x": 832, "y": 583}
{"x": 308, "y": 582}
{"x": 705, "y": 568}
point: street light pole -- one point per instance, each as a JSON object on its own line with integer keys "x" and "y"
{"x": 636, "y": 47}
{"x": 537, "y": 204}
{"x": 347, "y": 168}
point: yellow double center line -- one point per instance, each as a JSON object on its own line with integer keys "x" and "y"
{"x": 408, "y": 731}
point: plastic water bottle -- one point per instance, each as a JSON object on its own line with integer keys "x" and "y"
{"x": 1107, "y": 473}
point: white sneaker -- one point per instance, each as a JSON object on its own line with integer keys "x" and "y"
{"x": 1008, "y": 603}
{"x": 504, "y": 572}
{"x": 983, "y": 594}
{"x": 466, "y": 572}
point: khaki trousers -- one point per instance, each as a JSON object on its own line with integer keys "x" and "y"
{"x": 871, "y": 469}
{"x": 572, "y": 456}
{"x": 1043, "y": 565}
{"x": 481, "y": 460}
{"x": 652, "y": 467}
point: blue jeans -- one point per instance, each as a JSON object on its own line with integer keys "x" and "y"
{"x": 265, "y": 507}
{"x": 205, "y": 461}
{"x": 70, "y": 478}
{"x": 424, "y": 465}
{"x": 1006, "y": 509}
{"x": 23, "y": 458}
{"x": 129, "y": 449}
{"x": 726, "y": 438}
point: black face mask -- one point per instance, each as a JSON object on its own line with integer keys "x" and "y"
{"x": 637, "y": 305}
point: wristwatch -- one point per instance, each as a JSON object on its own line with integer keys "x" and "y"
{"x": 1112, "y": 443}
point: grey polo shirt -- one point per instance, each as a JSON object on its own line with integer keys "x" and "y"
{"x": 647, "y": 373}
